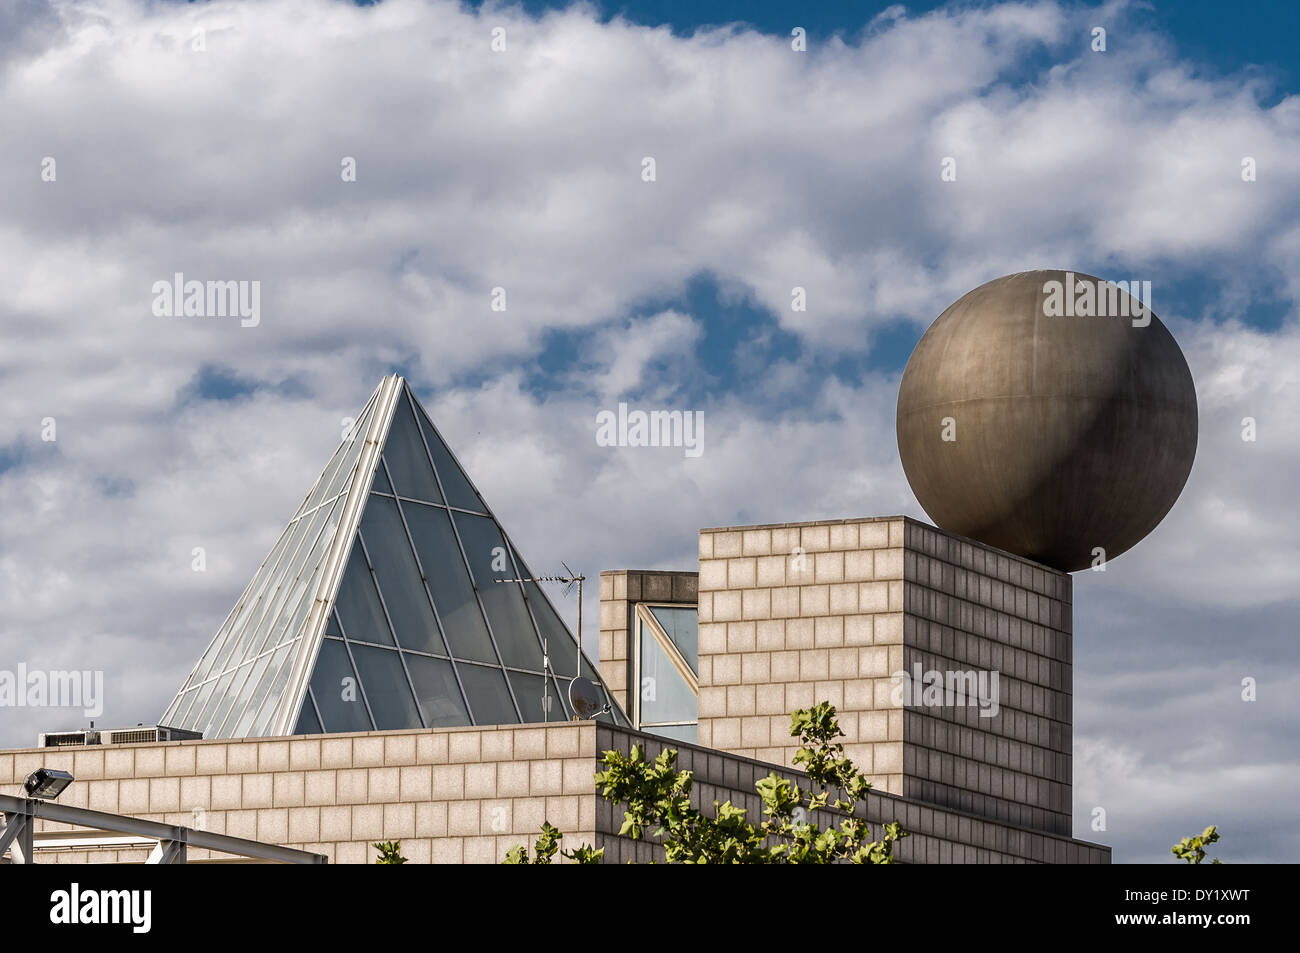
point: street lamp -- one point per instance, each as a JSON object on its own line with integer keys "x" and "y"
{"x": 46, "y": 783}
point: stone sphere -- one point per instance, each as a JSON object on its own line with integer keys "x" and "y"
{"x": 1048, "y": 420}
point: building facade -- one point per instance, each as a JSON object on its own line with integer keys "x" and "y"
{"x": 394, "y": 671}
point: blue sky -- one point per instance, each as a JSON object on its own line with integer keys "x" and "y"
{"x": 1251, "y": 38}
{"x": 522, "y": 170}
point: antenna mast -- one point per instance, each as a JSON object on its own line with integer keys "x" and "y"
{"x": 570, "y": 579}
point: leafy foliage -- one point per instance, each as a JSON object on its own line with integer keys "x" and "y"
{"x": 1192, "y": 849}
{"x": 548, "y": 844}
{"x": 390, "y": 852}
{"x": 657, "y": 798}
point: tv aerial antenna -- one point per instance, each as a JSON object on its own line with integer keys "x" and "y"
{"x": 584, "y": 694}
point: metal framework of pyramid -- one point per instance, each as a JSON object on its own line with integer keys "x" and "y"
{"x": 392, "y": 600}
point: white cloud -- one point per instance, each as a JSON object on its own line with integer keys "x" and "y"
{"x": 522, "y": 170}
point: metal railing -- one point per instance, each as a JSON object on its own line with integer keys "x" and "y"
{"x": 18, "y": 835}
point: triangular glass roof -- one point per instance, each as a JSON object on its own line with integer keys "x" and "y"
{"x": 392, "y": 600}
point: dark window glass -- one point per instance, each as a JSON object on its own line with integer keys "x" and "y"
{"x": 408, "y": 464}
{"x": 387, "y": 690}
{"x": 528, "y": 692}
{"x": 454, "y": 482}
{"x": 307, "y": 723}
{"x": 444, "y": 568}
{"x": 332, "y": 626}
{"x": 560, "y": 689}
{"x": 381, "y": 484}
{"x": 560, "y": 643}
{"x": 504, "y": 601}
{"x": 360, "y": 612}
{"x": 399, "y": 577}
{"x": 488, "y": 696}
{"x": 337, "y": 691}
{"x": 615, "y": 714}
{"x": 436, "y": 691}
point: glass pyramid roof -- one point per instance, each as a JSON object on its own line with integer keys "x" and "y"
{"x": 392, "y": 600}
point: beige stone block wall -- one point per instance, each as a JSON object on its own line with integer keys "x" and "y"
{"x": 444, "y": 793}
{"x": 936, "y": 835}
{"x": 796, "y": 613}
{"x": 459, "y": 795}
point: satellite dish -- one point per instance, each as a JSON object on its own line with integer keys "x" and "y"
{"x": 586, "y": 697}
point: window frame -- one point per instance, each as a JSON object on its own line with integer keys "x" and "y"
{"x": 646, "y": 622}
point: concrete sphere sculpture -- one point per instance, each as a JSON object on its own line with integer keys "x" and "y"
{"x": 1049, "y": 414}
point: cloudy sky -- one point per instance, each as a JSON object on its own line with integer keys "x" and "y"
{"x": 209, "y": 139}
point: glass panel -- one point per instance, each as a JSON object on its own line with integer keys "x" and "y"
{"x": 276, "y": 680}
{"x": 444, "y": 570}
{"x": 386, "y": 687}
{"x": 381, "y": 484}
{"x": 399, "y": 577}
{"x": 665, "y": 696}
{"x": 358, "y": 606}
{"x": 615, "y": 714}
{"x": 560, "y": 690}
{"x": 528, "y": 692}
{"x": 504, "y": 601}
{"x": 258, "y": 627}
{"x": 191, "y": 717}
{"x": 337, "y": 690}
{"x": 687, "y": 733}
{"x": 337, "y": 472}
{"x": 407, "y": 462}
{"x": 291, "y": 588}
{"x": 203, "y": 721}
{"x": 261, "y": 680}
{"x": 303, "y": 595}
{"x": 256, "y": 589}
{"x": 343, "y": 476}
{"x": 332, "y": 626}
{"x": 235, "y": 695}
{"x": 246, "y": 694}
{"x": 246, "y": 627}
{"x": 307, "y": 723}
{"x": 437, "y": 692}
{"x": 561, "y": 644}
{"x": 454, "y": 482}
{"x": 682, "y": 626}
{"x": 175, "y": 713}
{"x": 488, "y": 695}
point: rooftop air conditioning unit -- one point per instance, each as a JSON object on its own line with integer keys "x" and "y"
{"x": 62, "y": 739}
{"x": 143, "y": 734}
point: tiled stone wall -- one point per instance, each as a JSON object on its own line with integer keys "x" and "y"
{"x": 449, "y": 795}
{"x": 620, "y": 590}
{"x": 936, "y": 835}
{"x": 968, "y": 607}
{"x": 793, "y": 614}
